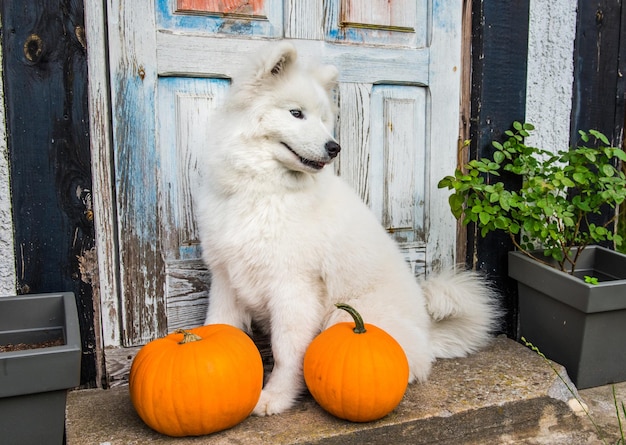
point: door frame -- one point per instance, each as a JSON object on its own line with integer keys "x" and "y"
{"x": 114, "y": 360}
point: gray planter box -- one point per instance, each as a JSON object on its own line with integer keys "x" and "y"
{"x": 579, "y": 325}
{"x": 34, "y": 382}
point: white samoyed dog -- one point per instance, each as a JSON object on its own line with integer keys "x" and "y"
{"x": 285, "y": 238}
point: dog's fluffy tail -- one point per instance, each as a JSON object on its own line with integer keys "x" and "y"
{"x": 465, "y": 311}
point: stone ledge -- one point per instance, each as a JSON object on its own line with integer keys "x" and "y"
{"x": 503, "y": 394}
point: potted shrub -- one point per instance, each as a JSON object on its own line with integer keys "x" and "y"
{"x": 578, "y": 322}
{"x": 39, "y": 360}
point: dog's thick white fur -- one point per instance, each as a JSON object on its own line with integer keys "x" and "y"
{"x": 285, "y": 238}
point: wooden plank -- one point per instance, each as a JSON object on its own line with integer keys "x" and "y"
{"x": 259, "y": 18}
{"x": 105, "y": 287}
{"x": 184, "y": 108}
{"x": 312, "y": 27}
{"x": 8, "y": 282}
{"x": 500, "y": 42}
{"x": 132, "y": 47}
{"x": 188, "y": 283}
{"x": 401, "y": 120}
{"x": 620, "y": 93}
{"x": 237, "y": 7}
{"x": 45, "y": 78}
{"x": 599, "y": 98}
{"x": 464, "y": 114}
{"x": 382, "y": 14}
{"x": 398, "y": 177}
{"x": 354, "y": 127}
{"x": 598, "y": 70}
{"x": 119, "y": 360}
{"x": 442, "y": 131}
{"x": 176, "y": 55}
{"x": 118, "y": 363}
{"x": 385, "y": 23}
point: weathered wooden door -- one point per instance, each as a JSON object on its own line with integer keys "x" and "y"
{"x": 170, "y": 63}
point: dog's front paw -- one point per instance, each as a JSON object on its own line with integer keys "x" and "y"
{"x": 272, "y": 403}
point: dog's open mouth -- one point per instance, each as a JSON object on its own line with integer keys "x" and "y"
{"x": 317, "y": 165}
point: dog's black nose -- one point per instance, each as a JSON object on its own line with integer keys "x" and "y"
{"x": 332, "y": 148}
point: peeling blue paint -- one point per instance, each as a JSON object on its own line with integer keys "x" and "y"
{"x": 167, "y": 18}
{"x": 443, "y": 19}
{"x": 175, "y": 203}
{"x": 190, "y": 252}
{"x": 135, "y": 156}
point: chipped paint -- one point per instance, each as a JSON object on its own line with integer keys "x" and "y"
{"x": 269, "y": 23}
{"x": 7, "y": 253}
{"x": 88, "y": 266}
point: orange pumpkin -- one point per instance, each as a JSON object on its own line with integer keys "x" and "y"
{"x": 196, "y": 382}
{"x": 356, "y": 371}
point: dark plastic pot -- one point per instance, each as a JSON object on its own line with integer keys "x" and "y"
{"x": 34, "y": 381}
{"x": 579, "y": 325}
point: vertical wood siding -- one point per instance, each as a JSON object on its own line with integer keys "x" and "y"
{"x": 599, "y": 100}
{"x": 45, "y": 79}
{"x": 500, "y": 44}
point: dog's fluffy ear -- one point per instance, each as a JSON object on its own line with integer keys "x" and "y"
{"x": 280, "y": 58}
{"x": 327, "y": 76}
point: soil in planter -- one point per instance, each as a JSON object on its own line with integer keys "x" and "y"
{"x": 23, "y": 346}
{"x": 31, "y": 339}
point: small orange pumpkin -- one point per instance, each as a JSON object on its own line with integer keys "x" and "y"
{"x": 196, "y": 382}
{"x": 356, "y": 372}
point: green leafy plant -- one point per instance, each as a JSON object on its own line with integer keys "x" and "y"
{"x": 591, "y": 280}
{"x": 559, "y": 193}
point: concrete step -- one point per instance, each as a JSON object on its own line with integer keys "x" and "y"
{"x": 505, "y": 394}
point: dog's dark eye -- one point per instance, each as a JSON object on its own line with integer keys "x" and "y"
{"x": 298, "y": 114}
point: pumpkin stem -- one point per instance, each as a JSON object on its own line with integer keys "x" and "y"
{"x": 359, "y": 327}
{"x": 188, "y": 337}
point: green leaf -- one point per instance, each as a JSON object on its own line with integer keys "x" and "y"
{"x": 620, "y": 154}
{"x": 504, "y": 203}
{"x": 608, "y": 170}
{"x": 445, "y": 182}
{"x": 498, "y": 157}
{"x": 601, "y": 136}
{"x": 484, "y": 218}
{"x": 579, "y": 178}
{"x": 456, "y": 202}
{"x": 590, "y": 156}
{"x": 501, "y": 223}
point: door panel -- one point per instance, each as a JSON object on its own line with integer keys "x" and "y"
{"x": 250, "y": 8}
{"x": 231, "y": 17}
{"x": 171, "y": 63}
{"x": 183, "y": 113}
{"x": 378, "y": 22}
{"x": 398, "y": 15}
